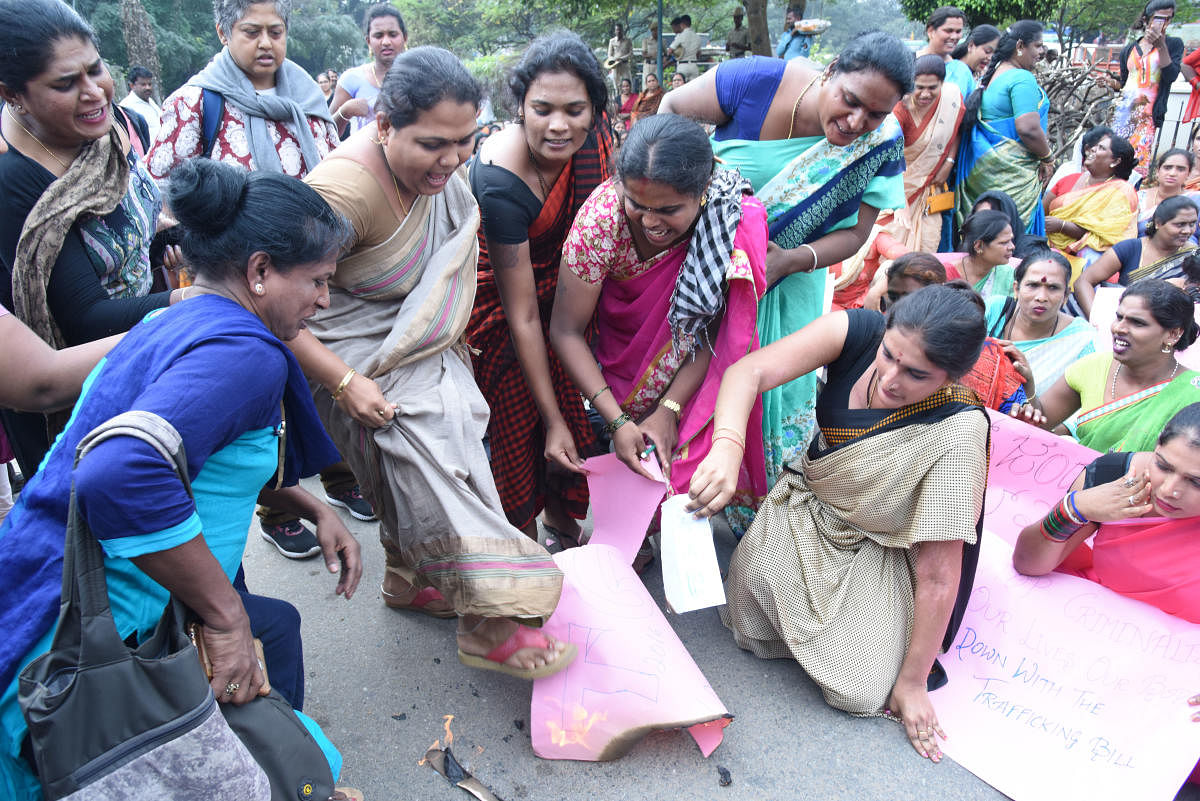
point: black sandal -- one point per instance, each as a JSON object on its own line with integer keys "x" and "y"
{"x": 560, "y": 541}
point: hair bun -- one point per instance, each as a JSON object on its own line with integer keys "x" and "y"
{"x": 205, "y": 195}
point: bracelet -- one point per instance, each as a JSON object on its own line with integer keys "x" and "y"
{"x": 337, "y": 115}
{"x": 737, "y": 435}
{"x": 1058, "y": 525}
{"x": 813, "y": 252}
{"x": 612, "y": 426}
{"x": 1074, "y": 512}
{"x": 337, "y": 393}
{"x": 1047, "y": 159}
{"x": 599, "y": 392}
{"x": 673, "y": 406}
{"x": 731, "y": 439}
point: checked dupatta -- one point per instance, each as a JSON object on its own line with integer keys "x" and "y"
{"x": 699, "y": 292}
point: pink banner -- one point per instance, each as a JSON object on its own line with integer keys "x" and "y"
{"x": 1060, "y": 688}
{"x": 632, "y": 675}
{"x": 1030, "y": 471}
{"x": 623, "y": 502}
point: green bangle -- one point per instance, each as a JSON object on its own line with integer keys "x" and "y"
{"x": 612, "y": 426}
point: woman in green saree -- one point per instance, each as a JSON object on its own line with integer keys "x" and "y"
{"x": 824, "y": 154}
{"x": 1126, "y": 396}
{"x": 1004, "y": 144}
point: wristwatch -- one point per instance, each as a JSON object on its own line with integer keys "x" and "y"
{"x": 673, "y": 406}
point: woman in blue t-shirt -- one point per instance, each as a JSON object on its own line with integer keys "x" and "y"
{"x": 216, "y": 369}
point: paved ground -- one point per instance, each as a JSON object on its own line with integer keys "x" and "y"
{"x": 379, "y": 681}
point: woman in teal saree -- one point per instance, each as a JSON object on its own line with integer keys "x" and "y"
{"x": 1005, "y": 145}
{"x": 823, "y": 161}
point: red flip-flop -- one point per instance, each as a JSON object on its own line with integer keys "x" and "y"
{"x": 523, "y": 637}
{"x": 421, "y": 602}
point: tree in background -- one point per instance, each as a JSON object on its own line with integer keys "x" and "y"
{"x": 991, "y": 12}
{"x": 140, "y": 44}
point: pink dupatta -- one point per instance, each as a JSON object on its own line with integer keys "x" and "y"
{"x": 1153, "y": 560}
{"x": 638, "y": 362}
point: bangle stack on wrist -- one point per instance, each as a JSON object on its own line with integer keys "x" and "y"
{"x": 1063, "y": 521}
{"x": 620, "y": 420}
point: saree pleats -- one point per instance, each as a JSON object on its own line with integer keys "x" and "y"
{"x": 427, "y": 473}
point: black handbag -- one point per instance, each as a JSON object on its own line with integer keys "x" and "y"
{"x": 110, "y": 722}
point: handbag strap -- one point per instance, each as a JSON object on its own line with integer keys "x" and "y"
{"x": 84, "y": 587}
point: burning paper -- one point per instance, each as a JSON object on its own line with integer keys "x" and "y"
{"x": 632, "y": 676}
{"x": 442, "y": 760}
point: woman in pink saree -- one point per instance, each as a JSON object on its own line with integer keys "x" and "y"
{"x": 658, "y": 294}
{"x": 1144, "y": 509}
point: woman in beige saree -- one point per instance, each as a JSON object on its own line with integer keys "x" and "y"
{"x": 861, "y": 560}
{"x": 930, "y": 118}
{"x": 396, "y": 391}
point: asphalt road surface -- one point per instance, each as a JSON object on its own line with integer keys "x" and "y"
{"x": 380, "y": 681}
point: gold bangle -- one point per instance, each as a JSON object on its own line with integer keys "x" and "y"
{"x": 337, "y": 393}
{"x": 673, "y": 406}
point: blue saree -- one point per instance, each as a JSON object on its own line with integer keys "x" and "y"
{"x": 993, "y": 157}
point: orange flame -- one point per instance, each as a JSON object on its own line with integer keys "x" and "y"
{"x": 437, "y": 744}
{"x": 579, "y": 727}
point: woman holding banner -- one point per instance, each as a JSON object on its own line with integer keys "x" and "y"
{"x": 1144, "y": 510}
{"x": 830, "y": 573}
{"x": 666, "y": 261}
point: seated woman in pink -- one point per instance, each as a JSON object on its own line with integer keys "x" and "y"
{"x": 1144, "y": 509}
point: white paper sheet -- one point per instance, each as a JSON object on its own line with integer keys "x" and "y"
{"x": 691, "y": 576}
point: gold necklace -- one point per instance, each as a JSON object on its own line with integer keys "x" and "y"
{"x": 49, "y": 152}
{"x": 375, "y": 80}
{"x": 796, "y": 105}
{"x": 395, "y": 183}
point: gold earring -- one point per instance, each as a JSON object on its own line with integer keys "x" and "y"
{"x": 380, "y": 139}
{"x": 259, "y": 289}
{"x": 1168, "y": 347}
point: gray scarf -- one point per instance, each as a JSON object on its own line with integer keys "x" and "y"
{"x": 296, "y": 98}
